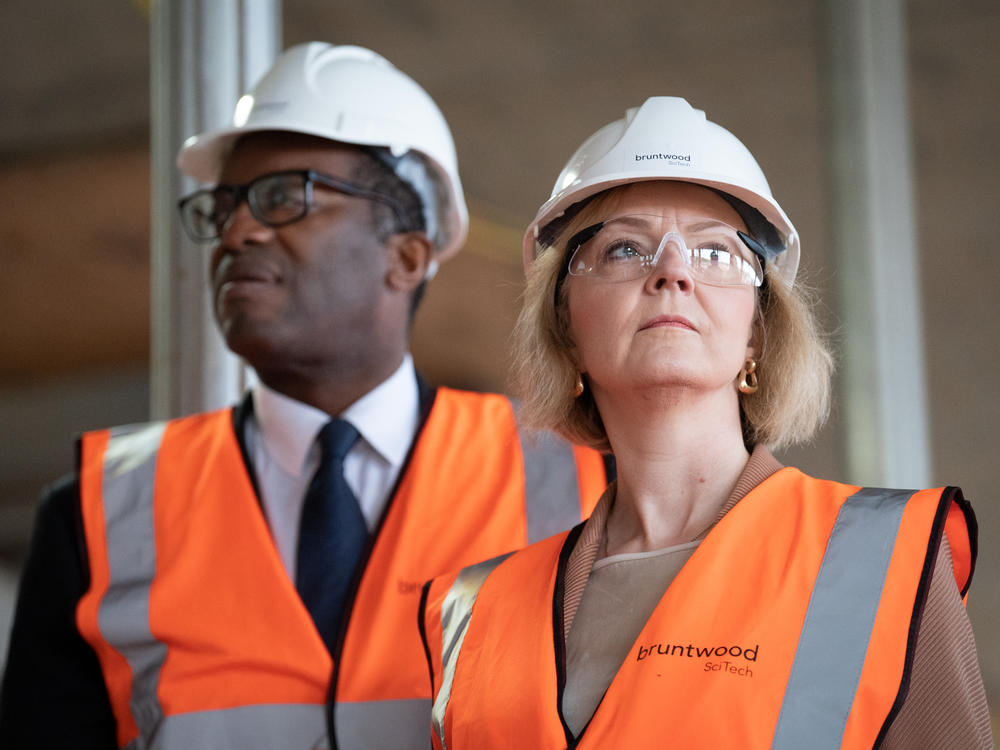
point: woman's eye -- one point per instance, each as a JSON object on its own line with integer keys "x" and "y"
{"x": 713, "y": 255}
{"x": 620, "y": 252}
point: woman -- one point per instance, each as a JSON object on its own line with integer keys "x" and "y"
{"x": 715, "y": 599}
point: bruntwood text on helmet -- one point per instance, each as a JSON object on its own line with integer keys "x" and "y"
{"x": 668, "y": 157}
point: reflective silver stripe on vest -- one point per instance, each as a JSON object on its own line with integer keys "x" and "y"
{"x": 260, "y": 727}
{"x": 551, "y": 489}
{"x": 123, "y": 613}
{"x": 839, "y": 621}
{"x": 455, "y": 615}
{"x": 123, "y": 616}
{"x": 376, "y": 725}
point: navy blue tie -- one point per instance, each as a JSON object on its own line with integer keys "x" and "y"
{"x": 332, "y": 533}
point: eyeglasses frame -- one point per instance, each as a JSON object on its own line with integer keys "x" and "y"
{"x": 311, "y": 176}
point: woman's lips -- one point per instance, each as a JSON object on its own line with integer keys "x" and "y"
{"x": 668, "y": 321}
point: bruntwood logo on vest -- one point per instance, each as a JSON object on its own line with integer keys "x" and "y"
{"x": 667, "y": 156}
{"x": 733, "y": 660}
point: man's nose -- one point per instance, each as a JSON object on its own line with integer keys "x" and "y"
{"x": 242, "y": 228}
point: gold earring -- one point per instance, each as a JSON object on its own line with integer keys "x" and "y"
{"x": 748, "y": 377}
{"x": 578, "y": 386}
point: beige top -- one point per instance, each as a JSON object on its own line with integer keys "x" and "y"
{"x": 621, "y": 594}
{"x": 606, "y": 603}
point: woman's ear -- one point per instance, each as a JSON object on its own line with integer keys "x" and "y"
{"x": 409, "y": 256}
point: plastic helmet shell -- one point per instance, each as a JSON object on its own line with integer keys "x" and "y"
{"x": 666, "y": 139}
{"x": 348, "y": 94}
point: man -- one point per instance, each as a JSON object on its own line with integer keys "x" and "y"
{"x": 215, "y": 581}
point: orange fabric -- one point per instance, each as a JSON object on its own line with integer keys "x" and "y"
{"x": 956, "y": 527}
{"x": 592, "y": 478}
{"x": 117, "y": 672}
{"x": 504, "y": 693}
{"x": 235, "y": 629}
{"x": 887, "y": 648}
{"x": 199, "y": 542}
{"x": 386, "y": 607}
{"x": 468, "y": 448}
{"x": 745, "y": 591}
{"x": 221, "y": 648}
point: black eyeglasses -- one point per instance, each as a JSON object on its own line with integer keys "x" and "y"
{"x": 275, "y": 199}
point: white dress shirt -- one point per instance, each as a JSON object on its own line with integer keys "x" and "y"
{"x": 281, "y": 439}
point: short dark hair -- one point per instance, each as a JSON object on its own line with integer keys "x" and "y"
{"x": 373, "y": 173}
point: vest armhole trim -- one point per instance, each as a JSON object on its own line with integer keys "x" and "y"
{"x": 937, "y": 529}
{"x": 422, "y": 625}
{"x": 558, "y": 626}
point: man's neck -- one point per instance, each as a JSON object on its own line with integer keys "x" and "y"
{"x": 331, "y": 389}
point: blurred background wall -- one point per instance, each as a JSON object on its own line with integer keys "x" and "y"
{"x": 522, "y": 84}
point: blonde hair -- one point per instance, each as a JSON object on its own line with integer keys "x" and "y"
{"x": 794, "y": 364}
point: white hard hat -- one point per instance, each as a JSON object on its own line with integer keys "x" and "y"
{"x": 667, "y": 139}
{"x": 351, "y": 95}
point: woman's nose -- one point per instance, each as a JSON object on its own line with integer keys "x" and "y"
{"x": 670, "y": 268}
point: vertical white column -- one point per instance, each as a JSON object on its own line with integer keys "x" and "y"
{"x": 873, "y": 234}
{"x": 204, "y": 55}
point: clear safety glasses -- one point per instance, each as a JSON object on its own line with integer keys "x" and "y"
{"x": 275, "y": 199}
{"x": 630, "y": 247}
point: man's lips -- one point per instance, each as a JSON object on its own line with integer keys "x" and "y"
{"x": 668, "y": 321}
{"x": 246, "y": 274}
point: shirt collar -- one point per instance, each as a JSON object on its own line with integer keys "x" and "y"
{"x": 288, "y": 427}
{"x": 386, "y": 417}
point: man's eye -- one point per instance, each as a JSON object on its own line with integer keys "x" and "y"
{"x": 275, "y": 195}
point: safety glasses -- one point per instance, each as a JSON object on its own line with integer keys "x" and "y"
{"x": 631, "y": 246}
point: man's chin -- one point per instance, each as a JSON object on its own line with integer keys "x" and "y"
{"x": 252, "y": 340}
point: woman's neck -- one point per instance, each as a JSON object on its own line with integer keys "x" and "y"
{"x": 678, "y": 457}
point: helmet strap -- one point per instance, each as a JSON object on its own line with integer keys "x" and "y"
{"x": 766, "y": 242}
{"x": 413, "y": 170}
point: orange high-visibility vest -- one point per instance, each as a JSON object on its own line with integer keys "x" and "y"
{"x": 201, "y": 635}
{"x": 791, "y": 626}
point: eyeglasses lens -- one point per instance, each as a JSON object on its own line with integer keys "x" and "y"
{"x": 630, "y": 247}
{"x": 274, "y": 199}
{"x": 201, "y": 213}
{"x": 278, "y": 199}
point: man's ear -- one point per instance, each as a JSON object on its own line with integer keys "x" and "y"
{"x": 409, "y": 256}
